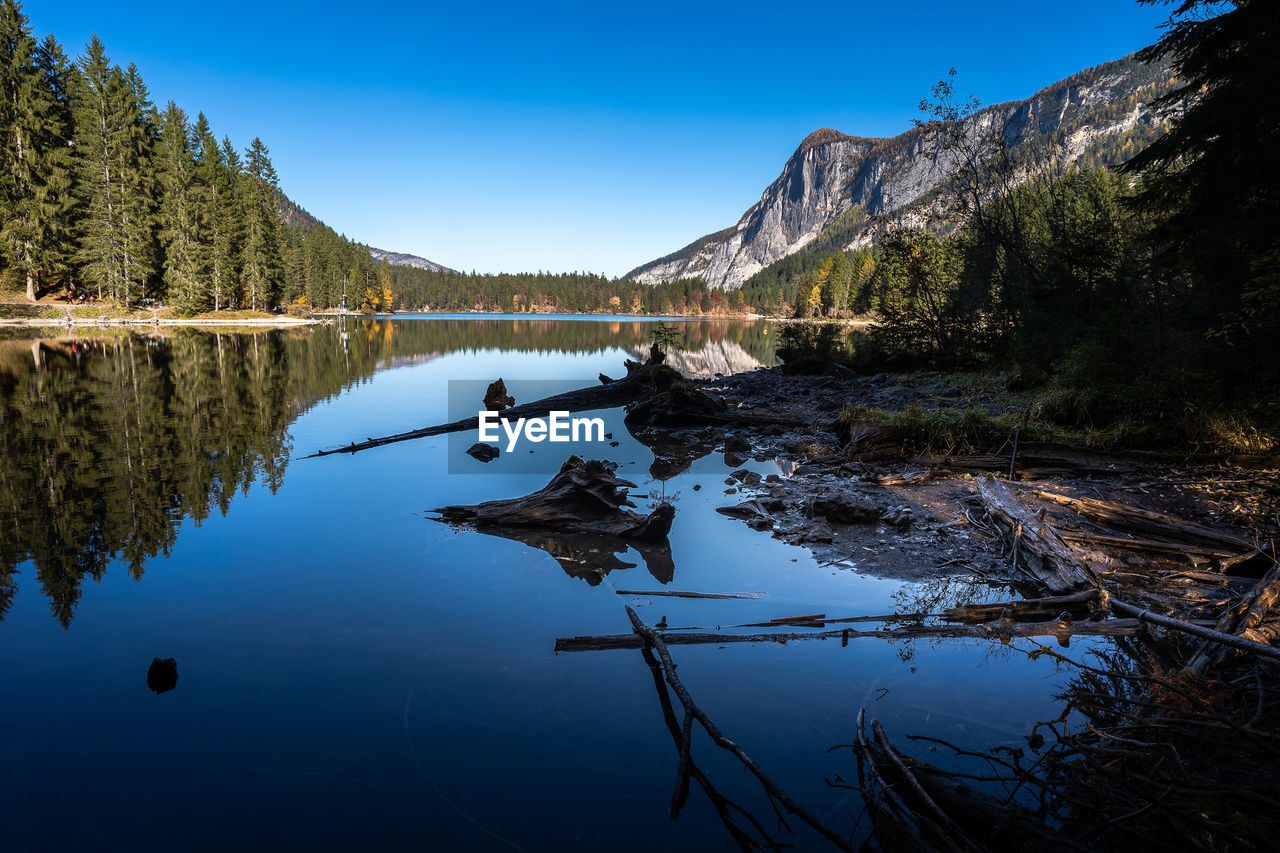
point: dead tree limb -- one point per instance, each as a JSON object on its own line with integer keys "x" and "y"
{"x": 1000, "y": 630}
{"x": 725, "y": 808}
{"x": 1044, "y": 552}
{"x": 615, "y": 393}
{"x": 1194, "y": 630}
{"x": 655, "y": 640}
{"x": 1145, "y": 521}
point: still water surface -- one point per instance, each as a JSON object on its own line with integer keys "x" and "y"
{"x": 354, "y": 675}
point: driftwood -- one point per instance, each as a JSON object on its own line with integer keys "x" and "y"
{"x": 674, "y": 593}
{"x": 1149, "y": 545}
{"x": 648, "y": 386}
{"x": 607, "y": 396}
{"x": 1146, "y": 522}
{"x": 1243, "y": 620}
{"x": 584, "y": 497}
{"x": 1048, "y": 558}
{"x": 1241, "y": 643}
{"x": 1092, "y": 603}
{"x": 649, "y": 637}
{"x": 918, "y": 806}
{"x": 1000, "y": 630}
{"x": 688, "y": 770}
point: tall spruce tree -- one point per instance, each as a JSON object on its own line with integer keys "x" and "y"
{"x": 56, "y": 209}
{"x": 99, "y": 134}
{"x": 136, "y": 172}
{"x": 180, "y": 215}
{"x": 33, "y": 163}
{"x": 227, "y": 231}
{"x": 263, "y": 264}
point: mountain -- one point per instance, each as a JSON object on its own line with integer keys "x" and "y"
{"x": 291, "y": 213}
{"x": 398, "y": 259}
{"x": 836, "y": 189}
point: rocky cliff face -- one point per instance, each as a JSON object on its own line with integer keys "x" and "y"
{"x": 1099, "y": 115}
{"x": 399, "y": 259}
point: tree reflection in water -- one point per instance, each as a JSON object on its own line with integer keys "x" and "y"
{"x": 110, "y": 440}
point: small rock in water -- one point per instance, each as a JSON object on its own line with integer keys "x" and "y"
{"x": 496, "y": 398}
{"x": 736, "y": 444}
{"x": 697, "y": 487}
{"x": 613, "y": 444}
{"x": 162, "y": 675}
{"x": 483, "y": 452}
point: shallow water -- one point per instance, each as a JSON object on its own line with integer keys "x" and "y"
{"x": 355, "y": 675}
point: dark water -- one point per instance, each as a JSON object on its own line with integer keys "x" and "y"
{"x": 354, "y": 675}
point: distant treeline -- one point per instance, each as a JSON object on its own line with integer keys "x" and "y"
{"x": 583, "y": 292}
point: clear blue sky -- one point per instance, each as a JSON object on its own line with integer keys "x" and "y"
{"x": 570, "y": 136}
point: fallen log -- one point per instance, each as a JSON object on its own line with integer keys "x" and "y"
{"x": 1001, "y": 630}
{"x": 1049, "y": 559}
{"x": 642, "y": 385}
{"x": 1243, "y": 621}
{"x": 616, "y": 393}
{"x": 1148, "y": 545}
{"x": 1194, "y": 630}
{"x": 1092, "y": 602}
{"x": 1146, "y": 522}
{"x": 678, "y": 594}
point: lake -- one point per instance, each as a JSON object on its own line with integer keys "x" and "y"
{"x": 355, "y": 675}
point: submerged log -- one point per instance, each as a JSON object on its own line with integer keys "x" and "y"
{"x": 1002, "y": 630}
{"x": 584, "y": 497}
{"x": 1048, "y": 558}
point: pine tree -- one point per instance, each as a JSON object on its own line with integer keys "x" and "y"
{"x": 228, "y": 228}
{"x": 33, "y": 173}
{"x": 179, "y": 220}
{"x": 55, "y": 198}
{"x": 99, "y": 135}
{"x": 137, "y": 193}
{"x": 263, "y": 265}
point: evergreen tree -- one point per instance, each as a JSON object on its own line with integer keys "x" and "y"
{"x": 136, "y": 174}
{"x": 263, "y": 265}
{"x": 56, "y": 211}
{"x": 99, "y": 136}
{"x": 180, "y": 217}
{"x": 228, "y": 225}
{"x": 34, "y": 182}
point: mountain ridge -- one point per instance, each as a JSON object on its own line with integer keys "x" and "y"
{"x": 292, "y": 213}
{"x": 1101, "y": 114}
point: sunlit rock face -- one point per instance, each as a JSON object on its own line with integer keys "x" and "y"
{"x": 1100, "y": 115}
